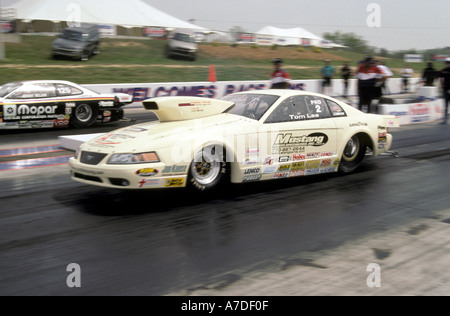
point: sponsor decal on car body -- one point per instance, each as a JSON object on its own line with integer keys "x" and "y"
{"x": 175, "y": 182}
{"x": 147, "y": 172}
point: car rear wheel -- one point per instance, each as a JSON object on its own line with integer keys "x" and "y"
{"x": 84, "y": 115}
{"x": 353, "y": 155}
{"x": 208, "y": 169}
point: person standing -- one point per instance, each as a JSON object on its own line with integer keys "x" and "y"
{"x": 368, "y": 75}
{"x": 407, "y": 73}
{"x": 429, "y": 75}
{"x": 327, "y": 75}
{"x": 280, "y": 79}
{"x": 387, "y": 73}
{"x": 346, "y": 73}
{"x": 444, "y": 74}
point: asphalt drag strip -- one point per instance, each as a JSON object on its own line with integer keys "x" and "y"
{"x": 33, "y": 157}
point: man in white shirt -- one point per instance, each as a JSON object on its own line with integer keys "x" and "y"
{"x": 386, "y": 74}
{"x": 407, "y": 73}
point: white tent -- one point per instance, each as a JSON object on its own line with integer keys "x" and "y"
{"x": 128, "y": 13}
{"x": 270, "y": 35}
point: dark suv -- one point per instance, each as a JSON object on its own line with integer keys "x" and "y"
{"x": 77, "y": 42}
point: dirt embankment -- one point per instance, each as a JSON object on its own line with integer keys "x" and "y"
{"x": 264, "y": 53}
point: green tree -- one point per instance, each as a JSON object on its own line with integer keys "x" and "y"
{"x": 351, "y": 40}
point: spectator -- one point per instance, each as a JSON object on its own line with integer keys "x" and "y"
{"x": 368, "y": 74}
{"x": 346, "y": 73}
{"x": 280, "y": 79}
{"x": 327, "y": 75}
{"x": 429, "y": 75}
{"x": 407, "y": 73}
{"x": 387, "y": 73}
{"x": 444, "y": 74}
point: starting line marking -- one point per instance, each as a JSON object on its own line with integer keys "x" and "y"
{"x": 30, "y": 150}
{"x": 34, "y": 163}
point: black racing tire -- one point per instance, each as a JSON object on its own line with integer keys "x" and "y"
{"x": 353, "y": 155}
{"x": 168, "y": 53}
{"x": 83, "y": 115}
{"x": 208, "y": 169}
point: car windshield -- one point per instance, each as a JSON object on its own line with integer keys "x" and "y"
{"x": 250, "y": 105}
{"x": 8, "y": 88}
{"x": 74, "y": 36}
{"x": 183, "y": 38}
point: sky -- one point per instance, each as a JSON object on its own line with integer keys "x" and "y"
{"x": 390, "y": 24}
{"x": 393, "y": 24}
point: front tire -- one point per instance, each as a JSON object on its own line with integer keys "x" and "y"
{"x": 208, "y": 169}
{"x": 84, "y": 115}
{"x": 86, "y": 55}
{"x": 353, "y": 155}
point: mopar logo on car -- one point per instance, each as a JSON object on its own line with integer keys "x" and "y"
{"x": 36, "y": 110}
{"x": 10, "y": 110}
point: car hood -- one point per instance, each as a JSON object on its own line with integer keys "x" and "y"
{"x": 170, "y": 109}
{"x": 156, "y": 135}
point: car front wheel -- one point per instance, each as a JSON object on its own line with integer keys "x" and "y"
{"x": 353, "y": 155}
{"x": 208, "y": 169}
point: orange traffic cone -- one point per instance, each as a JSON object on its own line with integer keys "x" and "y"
{"x": 212, "y": 77}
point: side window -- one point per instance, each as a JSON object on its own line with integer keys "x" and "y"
{"x": 300, "y": 108}
{"x": 262, "y": 109}
{"x": 336, "y": 109}
{"x": 317, "y": 108}
{"x": 64, "y": 90}
{"x": 35, "y": 91}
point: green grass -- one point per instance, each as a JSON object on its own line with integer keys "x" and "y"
{"x": 143, "y": 61}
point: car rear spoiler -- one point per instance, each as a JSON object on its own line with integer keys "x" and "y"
{"x": 124, "y": 98}
{"x": 170, "y": 109}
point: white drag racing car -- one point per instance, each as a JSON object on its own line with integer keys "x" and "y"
{"x": 53, "y": 103}
{"x": 244, "y": 137}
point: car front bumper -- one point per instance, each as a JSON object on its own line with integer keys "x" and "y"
{"x": 131, "y": 177}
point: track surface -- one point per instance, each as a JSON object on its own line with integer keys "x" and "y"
{"x": 306, "y": 236}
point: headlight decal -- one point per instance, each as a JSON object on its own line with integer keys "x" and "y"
{"x": 125, "y": 159}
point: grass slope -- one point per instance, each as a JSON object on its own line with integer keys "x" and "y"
{"x": 143, "y": 61}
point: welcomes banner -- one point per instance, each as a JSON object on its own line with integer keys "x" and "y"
{"x": 142, "y": 91}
